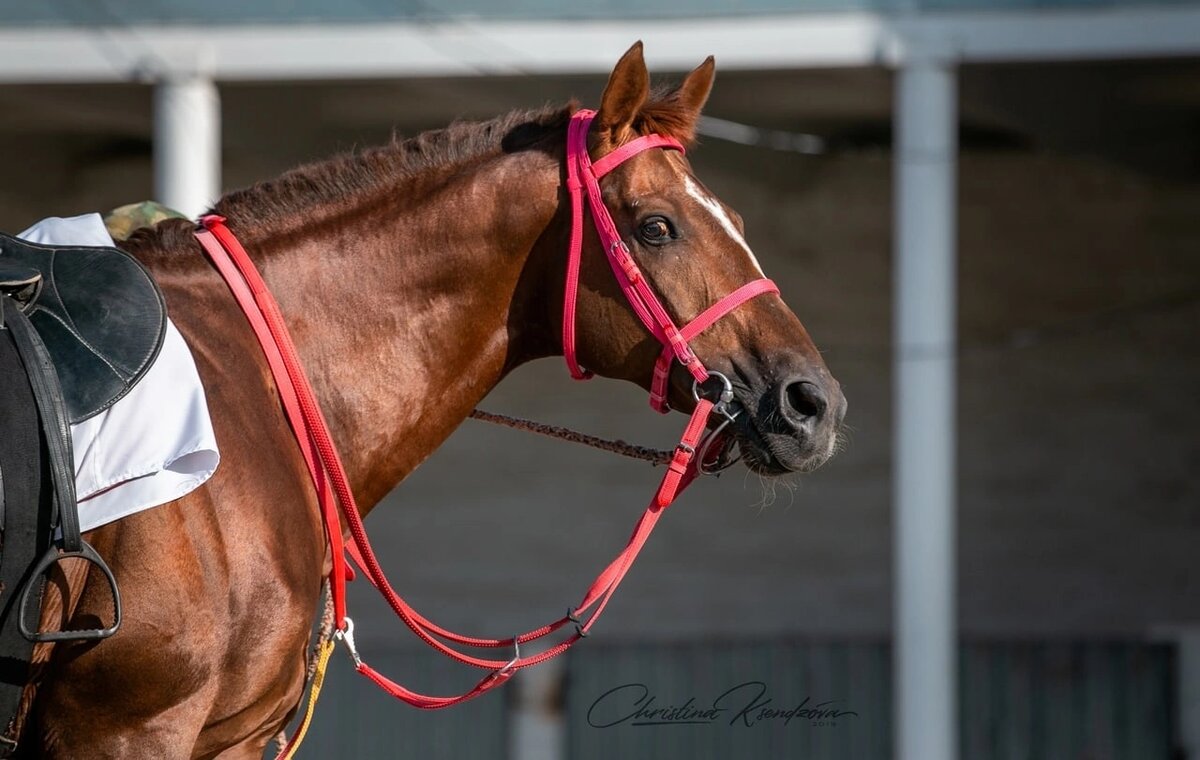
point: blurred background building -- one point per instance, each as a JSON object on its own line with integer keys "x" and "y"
{"x": 987, "y": 213}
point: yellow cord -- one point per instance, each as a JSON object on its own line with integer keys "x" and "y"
{"x": 313, "y": 692}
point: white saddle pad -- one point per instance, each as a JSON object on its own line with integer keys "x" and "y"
{"x": 155, "y": 444}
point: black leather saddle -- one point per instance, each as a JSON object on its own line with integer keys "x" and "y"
{"x": 99, "y": 313}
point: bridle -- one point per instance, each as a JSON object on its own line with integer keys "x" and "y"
{"x": 328, "y": 475}
{"x": 583, "y": 177}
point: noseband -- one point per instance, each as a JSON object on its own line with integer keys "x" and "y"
{"x": 329, "y": 478}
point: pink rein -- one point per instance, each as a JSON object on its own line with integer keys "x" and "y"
{"x": 329, "y": 477}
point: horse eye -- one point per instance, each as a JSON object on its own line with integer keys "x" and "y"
{"x": 656, "y": 230}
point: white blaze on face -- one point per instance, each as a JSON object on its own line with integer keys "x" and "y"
{"x": 711, "y": 205}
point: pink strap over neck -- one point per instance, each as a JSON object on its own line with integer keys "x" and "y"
{"x": 335, "y": 497}
{"x": 583, "y": 177}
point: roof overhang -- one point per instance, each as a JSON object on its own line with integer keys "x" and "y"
{"x": 469, "y": 47}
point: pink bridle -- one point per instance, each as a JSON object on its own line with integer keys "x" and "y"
{"x": 329, "y": 478}
{"x": 583, "y": 175}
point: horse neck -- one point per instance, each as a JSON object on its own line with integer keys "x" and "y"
{"x": 408, "y": 313}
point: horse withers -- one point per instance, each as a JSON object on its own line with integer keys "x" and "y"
{"x": 425, "y": 269}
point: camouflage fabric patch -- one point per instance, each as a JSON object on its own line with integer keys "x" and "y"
{"x": 121, "y": 222}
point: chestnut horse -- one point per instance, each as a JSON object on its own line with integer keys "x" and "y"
{"x": 413, "y": 277}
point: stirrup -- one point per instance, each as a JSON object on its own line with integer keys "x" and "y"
{"x": 52, "y": 557}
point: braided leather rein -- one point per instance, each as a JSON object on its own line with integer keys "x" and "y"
{"x": 645, "y": 453}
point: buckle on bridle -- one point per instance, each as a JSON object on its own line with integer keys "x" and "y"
{"x": 707, "y": 442}
{"x": 724, "y": 398}
{"x": 724, "y": 407}
{"x": 574, "y": 618}
{"x": 620, "y": 252}
{"x": 503, "y": 671}
{"x": 346, "y": 636}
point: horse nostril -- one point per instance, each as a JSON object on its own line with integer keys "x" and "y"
{"x": 804, "y": 400}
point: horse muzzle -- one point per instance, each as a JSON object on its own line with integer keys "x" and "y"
{"x": 791, "y": 426}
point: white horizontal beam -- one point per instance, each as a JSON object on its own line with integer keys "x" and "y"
{"x": 436, "y": 49}
{"x": 1106, "y": 33}
{"x": 471, "y": 47}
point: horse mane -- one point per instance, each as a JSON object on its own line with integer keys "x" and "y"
{"x": 315, "y": 190}
{"x": 348, "y": 175}
{"x": 335, "y": 182}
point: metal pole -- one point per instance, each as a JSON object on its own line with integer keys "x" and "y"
{"x": 923, "y": 480}
{"x": 187, "y": 143}
{"x": 1187, "y": 678}
{"x": 537, "y": 727}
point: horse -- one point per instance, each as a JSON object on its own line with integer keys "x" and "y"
{"x": 413, "y": 277}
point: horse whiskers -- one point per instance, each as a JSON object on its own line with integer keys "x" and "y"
{"x": 769, "y": 485}
{"x": 789, "y": 483}
{"x": 841, "y": 442}
{"x": 770, "y": 492}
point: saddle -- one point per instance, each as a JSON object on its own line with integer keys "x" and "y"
{"x": 98, "y": 311}
{"x": 79, "y": 326}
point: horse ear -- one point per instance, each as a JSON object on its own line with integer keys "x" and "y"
{"x": 692, "y": 93}
{"x": 626, "y": 92}
{"x": 677, "y": 112}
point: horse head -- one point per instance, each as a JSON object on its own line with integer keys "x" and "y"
{"x": 692, "y": 250}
